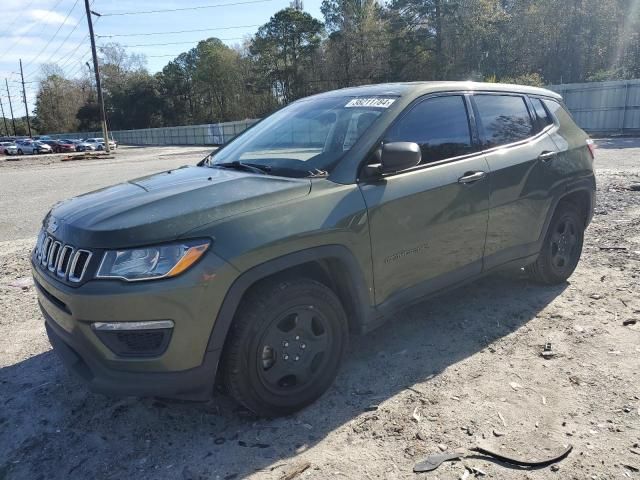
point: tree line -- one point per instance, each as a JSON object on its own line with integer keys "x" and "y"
{"x": 356, "y": 42}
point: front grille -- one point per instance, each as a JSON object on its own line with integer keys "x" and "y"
{"x": 63, "y": 261}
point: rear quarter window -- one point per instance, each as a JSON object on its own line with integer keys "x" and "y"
{"x": 558, "y": 111}
{"x": 503, "y": 119}
{"x": 541, "y": 113}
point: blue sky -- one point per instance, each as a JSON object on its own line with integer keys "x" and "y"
{"x": 55, "y": 31}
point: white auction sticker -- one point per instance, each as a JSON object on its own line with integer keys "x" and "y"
{"x": 376, "y": 102}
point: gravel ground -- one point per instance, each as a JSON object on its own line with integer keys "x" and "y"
{"x": 458, "y": 370}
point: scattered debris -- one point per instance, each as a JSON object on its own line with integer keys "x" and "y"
{"x": 504, "y": 422}
{"x": 23, "y": 282}
{"x": 547, "y": 352}
{"x": 416, "y": 415}
{"x": 630, "y": 321}
{"x": 634, "y": 187}
{"x": 595, "y": 296}
{"x": 432, "y": 462}
{"x": 295, "y": 471}
{"x": 613, "y": 248}
{"x": 498, "y": 433}
{"x": 86, "y": 156}
{"x": 478, "y": 472}
{"x": 442, "y": 447}
{"x": 515, "y": 385}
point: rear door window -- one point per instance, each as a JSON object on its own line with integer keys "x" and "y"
{"x": 440, "y": 126}
{"x": 503, "y": 119}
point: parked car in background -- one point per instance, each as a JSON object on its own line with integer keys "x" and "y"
{"x": 99, "y": 143}
{"x": 8, "y": 148}
{"x": 51, "y": 143}
{"x": 63, "y": 146}
{"x": 32, "y": 147}
{"x": 84, "y": 146}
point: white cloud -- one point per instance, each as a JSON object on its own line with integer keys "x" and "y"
{"x": 49, "y": 16}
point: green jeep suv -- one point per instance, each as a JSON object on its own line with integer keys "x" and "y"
{"x": 320, "y": 221}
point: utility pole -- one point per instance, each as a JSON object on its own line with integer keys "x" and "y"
{"x": 97, "y": 72}
{"x": 13, "y": 121}
{"x": 24, "y": 97}
{"x": 4, "y": 119}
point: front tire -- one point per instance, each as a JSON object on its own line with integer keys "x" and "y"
{"x": 562, "y": 247}
{"x": 285, "y": 346}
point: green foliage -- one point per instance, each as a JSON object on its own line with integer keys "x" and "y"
{"x": 531, "y": 42}
{"x": 530, "y": 79}
{"x": 282, "y": 52}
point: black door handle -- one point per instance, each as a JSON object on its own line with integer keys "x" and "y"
{"x": 472, "y": 177}
{"x": 547, "y": 156}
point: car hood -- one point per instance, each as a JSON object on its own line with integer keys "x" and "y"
{"x": 165, "y": 206}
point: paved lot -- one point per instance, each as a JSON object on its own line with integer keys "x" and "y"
{"x": 450, "y": 372}
{"x": 32, "y": 184}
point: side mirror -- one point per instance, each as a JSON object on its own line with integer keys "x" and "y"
{"x": 398, "y": 156}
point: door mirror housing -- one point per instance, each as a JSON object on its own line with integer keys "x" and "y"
{"x": 398, "y": 156}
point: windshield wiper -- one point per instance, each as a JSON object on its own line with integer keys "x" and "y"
{"x": 317, "y": 173}
{"x": 249, "y": 167}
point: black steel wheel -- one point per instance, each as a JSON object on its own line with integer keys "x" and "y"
{"x": 562, "y": 247}
{"x": 285, "y": 346}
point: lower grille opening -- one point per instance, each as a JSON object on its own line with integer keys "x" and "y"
{"x": 140, "y": 343}
{"x": 53, "y": 299}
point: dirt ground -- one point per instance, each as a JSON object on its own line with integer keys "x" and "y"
{"x": 455, "y": 371}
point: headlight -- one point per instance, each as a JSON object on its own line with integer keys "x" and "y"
{"x": 148, "y": 263}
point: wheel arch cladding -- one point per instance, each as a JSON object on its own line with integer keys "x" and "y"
{"x": 332, "y": 265}
{"x": 582, "y": 200}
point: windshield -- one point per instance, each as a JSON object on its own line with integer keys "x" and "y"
{"x": 305, "y": 138}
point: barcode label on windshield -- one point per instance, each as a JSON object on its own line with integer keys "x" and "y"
{"x": 375, "y": 102}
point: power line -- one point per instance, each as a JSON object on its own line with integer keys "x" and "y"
{"x": 177, "y": 31}
{"x": 22, "y": 34}
{"x": 174, "y": 43}
{"x": 184, "y": 8}
{"x": 48, "y": 60}
{"x": 54, "y": 35}
{"x": 22, "y": 9}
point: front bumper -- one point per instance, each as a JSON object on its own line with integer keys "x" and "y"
{"x": 186, "y": 369}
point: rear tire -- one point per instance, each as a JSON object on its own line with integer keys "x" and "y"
{"x": 285, "y": 346}
{"x": 562, "y": 247}
{"x": 20, "y": 152}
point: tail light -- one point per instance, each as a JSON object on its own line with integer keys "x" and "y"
{"x": 592, "y": 148}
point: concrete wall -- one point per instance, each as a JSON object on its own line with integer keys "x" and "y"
{"x": 211, "y": 134}
{"x": 604, "y": 107}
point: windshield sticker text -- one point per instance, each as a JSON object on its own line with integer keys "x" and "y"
{"x": 370, "y": 102}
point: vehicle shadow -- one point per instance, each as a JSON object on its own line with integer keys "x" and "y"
{"x": 52, "y": 427}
